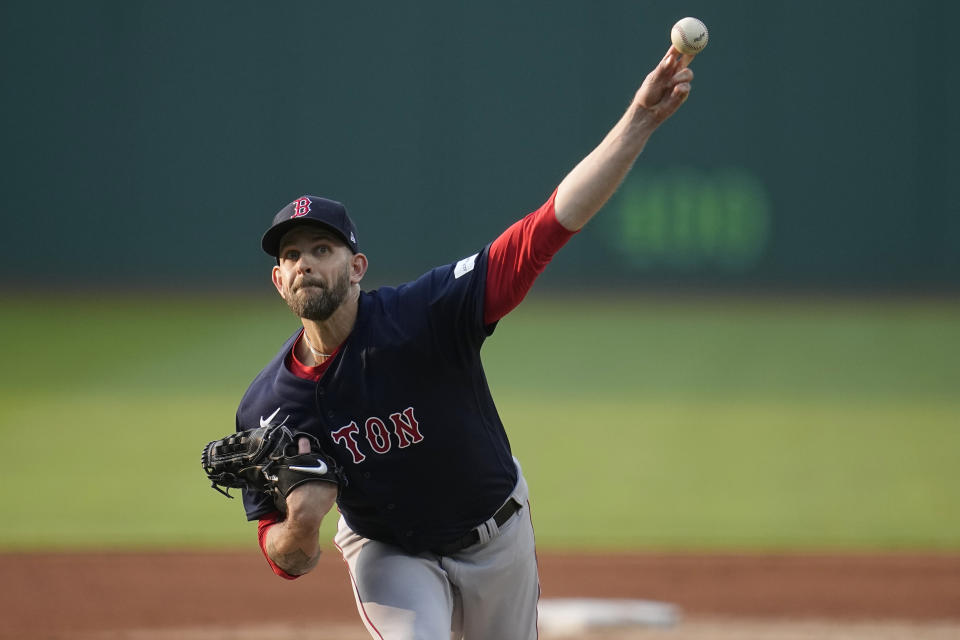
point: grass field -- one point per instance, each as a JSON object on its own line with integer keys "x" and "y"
{"x": 653, "y": 423}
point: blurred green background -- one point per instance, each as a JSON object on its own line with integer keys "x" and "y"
{"x": 669, "y": 423}
{"x": 754, "y": 346}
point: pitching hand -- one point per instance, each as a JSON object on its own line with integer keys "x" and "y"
{"x": 665, "y": 88}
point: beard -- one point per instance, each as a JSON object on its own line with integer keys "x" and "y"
{"x": 313, "y": 301}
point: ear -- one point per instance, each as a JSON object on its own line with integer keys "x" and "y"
{"x": 358, "y": 267}
{"x": 277, "y": 279}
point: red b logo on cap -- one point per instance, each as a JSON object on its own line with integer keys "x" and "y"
{"x": 301, "y": 207}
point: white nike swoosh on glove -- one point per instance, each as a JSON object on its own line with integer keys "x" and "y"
{"x": 320, "y": 470}
{"x": 266, "y": 423}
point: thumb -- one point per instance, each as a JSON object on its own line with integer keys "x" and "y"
{"x": 303, "y": 446}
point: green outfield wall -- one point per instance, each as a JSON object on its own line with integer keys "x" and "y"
{"x": 149, "y": 143}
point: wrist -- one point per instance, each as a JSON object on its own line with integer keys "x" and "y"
{"x": 641, "y": 123}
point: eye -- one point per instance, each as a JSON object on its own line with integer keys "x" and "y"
{"x": 291, "y": 254}
{"x": 321, "y": 249}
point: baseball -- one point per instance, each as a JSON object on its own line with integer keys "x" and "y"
{"x": 689, "y": 36}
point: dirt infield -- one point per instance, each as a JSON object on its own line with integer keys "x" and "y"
{"x": 202, "y": 596}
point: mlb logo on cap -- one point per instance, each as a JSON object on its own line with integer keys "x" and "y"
{"x": 301, "y": 207}
{"x": 329, "y": 214}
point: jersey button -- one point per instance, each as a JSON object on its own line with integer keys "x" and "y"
{"x": 366, "y": 474}
{"x": 320, "y": 391}
{"x": 391, "y": 507}
{"x": 330, "y": 413}
{"x": 409, "y": 534}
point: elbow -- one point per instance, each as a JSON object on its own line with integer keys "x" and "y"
{"x": 282, "y": 564}
{"x": 292, "y": 563}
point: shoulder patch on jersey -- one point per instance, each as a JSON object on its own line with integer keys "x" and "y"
{"x": 465, "y": 266}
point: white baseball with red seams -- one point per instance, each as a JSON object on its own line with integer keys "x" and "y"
{"x": 689, "y": 36}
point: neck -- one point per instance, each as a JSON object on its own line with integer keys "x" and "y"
{"x": 321, "y": 338}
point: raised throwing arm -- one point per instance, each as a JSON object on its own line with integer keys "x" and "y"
{"x": 591, "y": 183}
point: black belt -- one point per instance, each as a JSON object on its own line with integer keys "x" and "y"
{"x": 472, "y": 537}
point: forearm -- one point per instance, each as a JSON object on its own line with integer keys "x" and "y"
{"x": 292, "y": 544}
{"x": 591, "y": 183}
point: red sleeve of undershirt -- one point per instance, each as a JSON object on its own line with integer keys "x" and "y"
{"x": 265, "y": 523}
{"x": 518, "y": 256}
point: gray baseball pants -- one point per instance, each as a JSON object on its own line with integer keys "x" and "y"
{"x": 487, "y": 591}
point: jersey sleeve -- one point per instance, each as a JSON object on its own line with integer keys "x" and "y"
{"x": 465, "y": 299}
{"x": 518, "y": 256}
{"x": 444, "y": 307}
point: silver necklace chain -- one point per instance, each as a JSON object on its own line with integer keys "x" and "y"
{"x": 316, "y": 352}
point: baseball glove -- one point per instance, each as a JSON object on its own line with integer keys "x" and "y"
{"x": 267, "y": 460}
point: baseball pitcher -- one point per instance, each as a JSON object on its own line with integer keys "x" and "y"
{"x": 379, "y": 404}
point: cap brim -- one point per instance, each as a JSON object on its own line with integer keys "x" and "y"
{"x": 271, "y": 239}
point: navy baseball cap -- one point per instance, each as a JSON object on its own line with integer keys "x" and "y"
{"x": 311, "y": 210}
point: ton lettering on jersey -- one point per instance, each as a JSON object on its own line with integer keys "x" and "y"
{"x": 377, "y": 435}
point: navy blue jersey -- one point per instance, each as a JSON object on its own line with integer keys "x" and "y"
{"x": 406, "y": 410}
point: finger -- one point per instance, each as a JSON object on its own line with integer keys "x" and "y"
{"x": 669, "y": 57}
{"x": 672, "y": 101}
{"x": 303, "y": 446}
{"x": 684, "y": 75}
{"x": 677, "y": 59}
{"x": 670, "y": 63}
